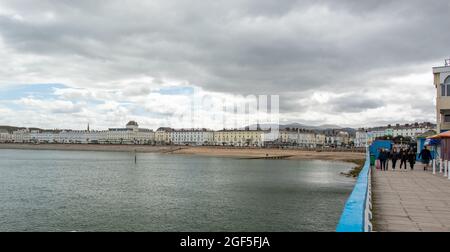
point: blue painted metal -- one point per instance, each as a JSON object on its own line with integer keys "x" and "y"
{"x": 376, "y": 145}
{"x": 353, "y": 216}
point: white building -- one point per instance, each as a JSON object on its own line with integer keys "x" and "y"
{"x": 410, "y": 130}
{"x": 21, "y": 136}
{"x": 38, "y": 136}
{"x": 320, "y": 140}
{"x": 361, "y": 138}
{"x": 131, "y": 134}
{"x": 302, "y": 138}
{"x": 241, "y": 138}
{"x": 442, "y": 88}
{"x": 407, "y": 130}
{"x": 5, "y": 136}
{"x": 163, "y": 135}
{"x": 337, "y": 139}
{"x": 192, "y": 137}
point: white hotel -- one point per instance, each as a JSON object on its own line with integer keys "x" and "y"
{"x": 5, "y": 136}
{"x": 192, "y": 137}
{"x": 369, "y": 135}
{"x": 302, "y": 138}
{"x": 131, "y": 134}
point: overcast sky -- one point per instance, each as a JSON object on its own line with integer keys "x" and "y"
{"x": 348, "y": 62}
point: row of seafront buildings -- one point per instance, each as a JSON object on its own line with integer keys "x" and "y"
{"x": 406, "y": 131}
{"x": 133, "y": 134}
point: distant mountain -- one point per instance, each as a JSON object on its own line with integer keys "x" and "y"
{"x": 329, "y": 126}
{"x": 300, "y": 126}
{"x": 11, "y": 129}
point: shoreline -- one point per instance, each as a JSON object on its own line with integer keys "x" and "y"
{"x": 90, "y": 147}
{"x": 211, "y": 151}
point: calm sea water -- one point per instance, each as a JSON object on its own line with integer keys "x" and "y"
{"x": 105, "y": 191}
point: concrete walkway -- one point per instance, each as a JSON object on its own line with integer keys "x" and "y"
{"x": 410, "y": 201}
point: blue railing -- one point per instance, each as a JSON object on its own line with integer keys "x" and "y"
{"x": 357, "y": 215}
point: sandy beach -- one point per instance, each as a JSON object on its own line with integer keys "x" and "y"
{"x": 260, "y": 153}
{"x": 203, "y": 151}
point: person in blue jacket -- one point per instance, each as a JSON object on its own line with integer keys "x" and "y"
{"x": 425, "y": 154}
{"x": 411, "y": 158}
{"x": 394, "y": 156}
{"x": 383, "y": 156}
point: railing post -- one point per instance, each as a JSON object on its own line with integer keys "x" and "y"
{"x": 445, "y": 167}
{"x": 440, "y": 165}
{"x": 434, "y": 166}
{"x": 447, "y": 173}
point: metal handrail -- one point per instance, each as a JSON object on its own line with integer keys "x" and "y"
{"x": 357, "y": 214}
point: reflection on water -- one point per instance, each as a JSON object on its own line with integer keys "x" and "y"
{"x": 106, "y": 191}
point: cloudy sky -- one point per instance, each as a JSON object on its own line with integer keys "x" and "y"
{"x": 348, "y": 62}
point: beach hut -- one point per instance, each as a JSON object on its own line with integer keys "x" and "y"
{"x": 375, "y": 147}
{"x": 422, "y": 142}
{"x": 435, "y": 148}
{"x": 444, "y": 153}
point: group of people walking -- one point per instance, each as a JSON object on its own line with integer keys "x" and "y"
{"x": 405, "y": 156}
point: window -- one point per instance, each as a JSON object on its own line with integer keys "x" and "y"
{"x": 442, "y": 90}
{"x": 447, "y": 118}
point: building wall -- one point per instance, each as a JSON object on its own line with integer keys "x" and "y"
{"x": 192, "y": 137}
{"x": 5, "y": 137}
{"x": 361, "y": 139}
{"x": 442, "y": 102}
{"x": 163, "y": 137}
{"x": 239, "y": 137}
{"x": 129, "y": 135}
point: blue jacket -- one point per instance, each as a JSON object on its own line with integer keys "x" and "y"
{"x": 425, "y": 154}
{"x": 383, "y": 156}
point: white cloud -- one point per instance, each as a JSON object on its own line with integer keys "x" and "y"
{"x": 116, "y": 57}
{"x": 50, "y": 106}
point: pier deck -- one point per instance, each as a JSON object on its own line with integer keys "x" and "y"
{"x": 410, "y": 201}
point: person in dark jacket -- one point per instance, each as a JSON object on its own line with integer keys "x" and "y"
{"x": 403, "y": 155}
{"x": 383, "y": 158}
{"x": 394, "y": 157}
{"x": 411, "y": 158}
{"x": 425, "y": 155}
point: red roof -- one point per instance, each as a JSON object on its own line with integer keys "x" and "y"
{"x": 442, "y": 135}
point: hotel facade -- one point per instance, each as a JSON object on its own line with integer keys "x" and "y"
{"x": 442, "y": 86}
{"x": 192, "y": 137}
{"x": 411, "y": 131}
{"x": 133, "y": 134}
{"x": 240, "y": 138}
{"x": 302, "y": 138}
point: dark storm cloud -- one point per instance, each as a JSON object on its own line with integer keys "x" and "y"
{"x": 235, "y": 46}
{"x": 354, "y": 103}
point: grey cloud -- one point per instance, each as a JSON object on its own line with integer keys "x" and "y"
{"x": 354, "y": 103}
{"x": 235, "y": 46}
{"x": 294, "y": 102}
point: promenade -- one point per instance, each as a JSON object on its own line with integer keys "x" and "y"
{"x": 410, "y": 201}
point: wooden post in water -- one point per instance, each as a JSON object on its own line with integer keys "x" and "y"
{"x": 135, "y": 156}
